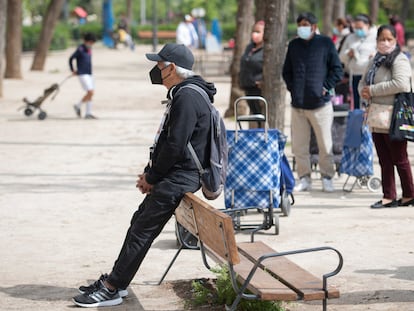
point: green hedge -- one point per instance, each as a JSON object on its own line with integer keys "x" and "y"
{"x": 92, "y": 27}
{"x": 60, "y": 41}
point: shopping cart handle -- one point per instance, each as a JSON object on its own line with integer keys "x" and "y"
{"x": 252, "y": 118}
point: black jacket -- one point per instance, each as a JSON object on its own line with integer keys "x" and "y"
{"x": 310, "y": 66}
{"x": 251, "y": 67}
{"x": 188, "y": 120}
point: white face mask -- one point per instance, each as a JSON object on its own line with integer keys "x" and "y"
{"x": 386, "y": 47}
{"x": 304, "y": 32}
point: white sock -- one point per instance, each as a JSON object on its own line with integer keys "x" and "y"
{"x": 88, "y": 107}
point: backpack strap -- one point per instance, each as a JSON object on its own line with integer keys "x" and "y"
{"x": 208, "y": 102}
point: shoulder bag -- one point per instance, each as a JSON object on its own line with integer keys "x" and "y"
{"x": 379, "y": 116}
{"x": 402, "y": 122}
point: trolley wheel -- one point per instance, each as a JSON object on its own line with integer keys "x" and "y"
{"x": 276, "y": 224}
{"x": 285, "y": 203}
{"x": 361, "y": 181}
{"x": 185, "y": 238}
{"x": 42, "y": 115}
{"x": 374, "y": 184}
{"x": 28, "y": 112}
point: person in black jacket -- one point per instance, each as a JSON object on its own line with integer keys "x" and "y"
{"x": 251, "y": 68}
{"x": 83, "y": 57}
{"x": 311, "y": 70}
{"x": 170, "y": 173}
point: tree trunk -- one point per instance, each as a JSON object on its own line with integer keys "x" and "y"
{"x": 260, "y": 10}
{"x": 48, "y": 26}
{"x": 338, "y": 9}
{"x": 129, "y": 15}
{"x": 13, "y": 39}
{"x": 327, "y": 17}
{"x": 275, "y": 37}
{"x": 374, "y": 7}
{"x": 243, "y": 29}
{"x": 404, "y": 10}
{"x": 3, "y": 10}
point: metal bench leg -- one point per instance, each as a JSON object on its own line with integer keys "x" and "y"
{"x": 170, "y": 265}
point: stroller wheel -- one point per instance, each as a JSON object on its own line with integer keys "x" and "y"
{"x": 28, "y": 112}
{"x": 42, "y": 115}
{"x": 285, "y": 203}
{"x": 276, "y": 224}
{"x": 374, "y": 184}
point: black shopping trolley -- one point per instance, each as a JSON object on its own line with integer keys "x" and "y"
{"x": 33, "y": 106}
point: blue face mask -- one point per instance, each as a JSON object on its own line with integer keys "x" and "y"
{"x": 360, "y": 33}
{"x": 335, "y": 31}
{"x": 304, "y": 32}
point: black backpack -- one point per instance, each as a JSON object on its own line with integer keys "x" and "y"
{"x": 214, "y": 176}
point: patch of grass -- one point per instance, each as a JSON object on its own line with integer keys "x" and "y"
{"x": 220, "y": 292}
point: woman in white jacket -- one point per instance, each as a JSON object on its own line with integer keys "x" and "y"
{"x": 359, "y": 47}
{"x": 387, "y": 74}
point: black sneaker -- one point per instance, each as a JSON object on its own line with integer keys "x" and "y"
{"x": 77, "y": 110}
{"x": 102, "y": 297}
{"x": 98, "y": 284}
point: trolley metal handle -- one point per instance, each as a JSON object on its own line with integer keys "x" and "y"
{"x": 237, "y": 118}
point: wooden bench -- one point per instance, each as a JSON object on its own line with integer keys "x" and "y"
{"x": 161, "y": 34}
{"x": 257, "y": 271}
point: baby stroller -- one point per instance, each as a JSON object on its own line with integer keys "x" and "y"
{"x": 254, "y": 171}
{"x": 32, "y": 106}
{"x": 357, "y": 157}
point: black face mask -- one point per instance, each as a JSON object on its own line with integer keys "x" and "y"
{"x": 155, "y": 75}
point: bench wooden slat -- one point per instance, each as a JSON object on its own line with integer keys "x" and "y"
{"x": 304, "y": 283}
{"x": 262, "y": 283}
{"x": 215, "y": 229}
{"x": 184, "y": 216}
{"x": 162, "y": 34}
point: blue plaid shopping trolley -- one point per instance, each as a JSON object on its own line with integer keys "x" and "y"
{"x": 253, "y": 171}
{"x": 357, "y": 154}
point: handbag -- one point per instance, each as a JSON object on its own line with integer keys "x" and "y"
{"x": 379, "y": 116}
{"x": 402, "y": 123}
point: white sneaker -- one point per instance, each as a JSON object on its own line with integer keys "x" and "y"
{"x": 327, "y": 185}
{"x": 305, "y": 184}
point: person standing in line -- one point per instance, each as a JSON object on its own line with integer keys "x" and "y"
{"x": 357, "y": 50}
{"x": 186, "y": 33}
{"x": 399, "y": 29}
{"x": 83, "y": 57}
{"x": 170, "y": 173}
{"x": 311, "y": 70}
{"x": 387, "y": 74}
{"x": 340, "y": 32}
{"x": 251, "y": 68}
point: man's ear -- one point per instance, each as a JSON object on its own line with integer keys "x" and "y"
{"x": 172, "y": 67}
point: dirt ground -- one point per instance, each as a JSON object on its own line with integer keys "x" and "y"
{"x": 67, "y": 192}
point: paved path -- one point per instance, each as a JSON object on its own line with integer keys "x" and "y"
{"x": 67, "y": 192}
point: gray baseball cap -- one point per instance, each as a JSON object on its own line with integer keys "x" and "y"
{"x": 178, "y": 54}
